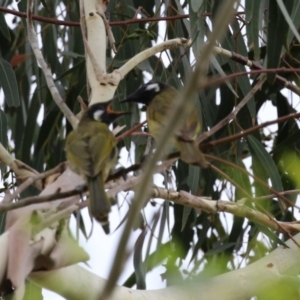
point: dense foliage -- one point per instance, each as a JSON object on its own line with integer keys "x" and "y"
{"x": 34, "y": 130}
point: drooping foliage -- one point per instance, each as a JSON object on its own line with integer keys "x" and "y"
{"x": 34, "y": 130}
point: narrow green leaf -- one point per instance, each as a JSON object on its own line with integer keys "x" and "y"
{"x": 196, "y": 4}
{"x": 182, "y": 12}
{"x": 288, "y": 19}
{"x": 80, "y": 224}
{"x": 275, "y": 31}
{"x": 197, "y": 28}
{"x": 193, "y": 179}
{"x": 243, "y": 82}
{"x": 202, "y": 236}
{"x": 219, "y": 69}
{"x": 295, "y": 16}
{"x": 185, "y": 215}
{"x": 271, "y": 235}
{"x": 219, "y": 249}
{"x": 31, "y": 128}
{"x": 9, "y": 84}
{"x": 252, "y": 26}
{"x": 241, "y": 179}
{"x": 267, "y": 162}
{"x": 3, "y": 27}
{"x": 3, "y": 129}
{"x": 139, "y": 265}
{"x": 2, "y": 222}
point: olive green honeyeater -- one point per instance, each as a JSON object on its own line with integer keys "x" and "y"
{"x": 91, "y": 150}
{"x": 159, "y": 98}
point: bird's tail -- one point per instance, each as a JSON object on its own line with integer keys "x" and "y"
{"x": 99, "y": 205}
{"x": 190, "y": 153}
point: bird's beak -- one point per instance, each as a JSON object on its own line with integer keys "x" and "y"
{"x": 110, "y": 111}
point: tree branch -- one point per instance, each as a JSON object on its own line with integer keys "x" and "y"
{"x": 233, "y": 114}
{"x": 215, "y": 206}
{"x": 133, "y": 62}
{"x": 273, "y": 269}
{"x": 20, "y": 169}
{"x": 77, "y": 24}
{"x": 255, "y": 66}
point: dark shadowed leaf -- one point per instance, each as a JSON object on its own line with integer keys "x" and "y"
{"x": 295, "y": 17}
{"x": 9, "y": 84}
{"x": 270, "y": 234}
{"x": 252, "y": 25}
{"x": 3, "y": 27}
{"x": 138, "y": 263}
{"x": 219, "y": 249}
{"x": 276, "y": 30}
{"x": 3, "y": 128}
{"x": 267, "y": 162}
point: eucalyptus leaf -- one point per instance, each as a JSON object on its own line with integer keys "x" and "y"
{"x": 3, "y": 27}
{"x": 9, "y": 84}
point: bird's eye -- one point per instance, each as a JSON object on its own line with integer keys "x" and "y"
{"x": 97, "y": 115}
{"x": 153, "y": 86}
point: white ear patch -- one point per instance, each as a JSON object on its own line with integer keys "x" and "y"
{"x": 153, "y": 86}
{"x": 97, "y": 114}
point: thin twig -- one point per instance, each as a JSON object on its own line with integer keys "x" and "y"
{"x": 233, "y": 114}
{"x": 256, "y": 66}
{"x": 260, "y": 181}
{"x": 246, "y": 132}
{"x": 58, "y": 169}
{"x": 109, "y": 32}
{"x": 77, "y": 24}
{"x": 4, "y": 207}
{"x": 130, "y": 131}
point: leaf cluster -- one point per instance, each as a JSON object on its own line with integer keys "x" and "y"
{"x": 34, "y": 129}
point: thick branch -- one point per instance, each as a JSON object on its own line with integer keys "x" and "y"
{"x": 133, "y": 62}
{"x": 244, "y": 283}
{"x": 215, "y": 206}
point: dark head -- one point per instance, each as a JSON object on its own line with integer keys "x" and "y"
{"x": 103, "y": 112}
{"x": 146, "y": 93}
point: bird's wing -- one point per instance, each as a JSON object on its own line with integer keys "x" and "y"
{"x": 190, "y": 128}
{"x": 162, "y": 106}
{"x": 103, "y": 151}
{"x": 158, "y": 111}
{"x": 88, "y": 149}
{"x": 78, "y": 153}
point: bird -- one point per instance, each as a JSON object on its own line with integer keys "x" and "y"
{"x": 92, "y": 152}
{"x": 159, "y": 99}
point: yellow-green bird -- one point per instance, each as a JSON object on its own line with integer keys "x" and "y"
{"x": 159, "y": 98}
{"x": 91, "y": 150}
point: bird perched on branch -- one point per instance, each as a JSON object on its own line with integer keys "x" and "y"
{"x": 159, "y": 99}
{"x": 91, "y": 150}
